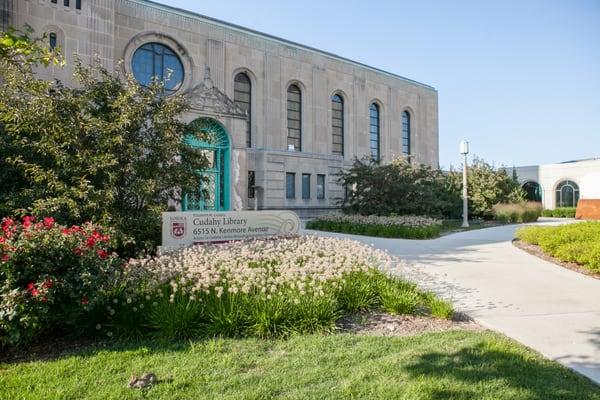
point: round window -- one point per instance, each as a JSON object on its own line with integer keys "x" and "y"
{"x": 157, "y": 61}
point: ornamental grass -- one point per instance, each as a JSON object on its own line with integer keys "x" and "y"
{"x": 405, "y": 226}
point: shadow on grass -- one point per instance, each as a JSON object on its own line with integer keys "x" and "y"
{"x": 499, "y": 369}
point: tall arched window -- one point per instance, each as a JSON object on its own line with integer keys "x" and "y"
{"x": 337, "y": 124}
{"x": 567, "y": 194}
{"x": 374, "y": 131}
{"x": 294, "y": 118}
{"x": 242, "y": 96}
{"x": 53, "y": 40}
{"x": 405, "y": 134}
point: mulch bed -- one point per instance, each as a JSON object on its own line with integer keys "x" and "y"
{"x": 382, "y": 324}
{"x": 538, "y": 252}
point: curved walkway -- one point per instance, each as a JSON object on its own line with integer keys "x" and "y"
{"x": 549, "y": 308}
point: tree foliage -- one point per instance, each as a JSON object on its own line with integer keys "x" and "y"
{"x": 105, "y": 150}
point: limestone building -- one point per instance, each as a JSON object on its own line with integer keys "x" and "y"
{"x": 287, "y": 117}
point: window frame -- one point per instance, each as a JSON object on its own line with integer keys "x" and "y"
{"x": 558, "y": 193}
{"x": 290, "y": 191}
{"x": 306, "y": 181}
{"x": 337, "y": 99}
{"x": 321, "y": 191}
{"x": 297, "y": 120}
{"x": 377, "y": 126}
{"x": 406, "y": 131}
{"x": 241, "y": 103}
{"x": 150, "y": 47}
{"x": 251, "y": 184}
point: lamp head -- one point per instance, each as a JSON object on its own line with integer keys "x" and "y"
{"x": 464, "y": 147}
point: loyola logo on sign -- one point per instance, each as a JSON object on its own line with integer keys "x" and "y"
{"x": 178, "y": 227}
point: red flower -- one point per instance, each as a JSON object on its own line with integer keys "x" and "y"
{"x": 85, "y": 301}
{"x": 44, "y": 299}
{"x": 5, "y": 257}
{"x": 77, "y": 251}
{"x": 32, "y": 289}
{"x": 66, "y": 231}
{"x": 47, "y": 284}
{"x": 48, "y": 222}
{"x": 103, "y": 254}
{"x": 91, "y": 241}
{"x": 27, "y": 221}
{"x": 2, "y": 239}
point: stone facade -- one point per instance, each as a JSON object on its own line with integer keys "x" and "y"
{"x": 112, "y": 30}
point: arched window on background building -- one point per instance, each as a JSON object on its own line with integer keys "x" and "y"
{"x": 337, "y": 124}
{"x": 242, "y": 96}
{"x": 53, "y": 40}
{"x": 294, "y": 118}
{"x": 406, "y": 134}
{"x": 567, "y": 194}
{"x": 374, "y": 131}
{"x": 533, "y": 191}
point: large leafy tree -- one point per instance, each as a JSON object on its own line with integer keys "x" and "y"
{"x": 106, "y": 150}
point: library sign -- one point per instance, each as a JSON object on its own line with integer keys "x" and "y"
{"x": 183, "y": 229}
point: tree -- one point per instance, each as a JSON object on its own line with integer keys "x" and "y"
{"x": 107, "y": 150}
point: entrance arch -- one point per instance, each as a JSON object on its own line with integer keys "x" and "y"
{"x": 212, "y": 193}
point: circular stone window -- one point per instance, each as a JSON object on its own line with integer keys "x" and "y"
{"x": 157, "y": 61}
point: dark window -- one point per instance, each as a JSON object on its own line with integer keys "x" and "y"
{"x": 306, "y": 186}
{"x": 53, "y": 1}
{"x": 242, "y": 92}
{"x": 533, "y": 191}
{"x": 290, "y": 185}
{"x": 337, "y": 124}
{"x": 78, "y": 4}
{"x": 374, "y": 131}
{"x": 567, "y": 194}
{"x": 157, "y": 61}
{"x": 406, "y": 133}
{"x": 251, "y": 184}
{"x": 53, "y": 40}
{"x": 294, "y": 118}
{"x": 66, "y": 3}
{"x": 320, "y": 186}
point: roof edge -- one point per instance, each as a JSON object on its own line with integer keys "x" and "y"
{"x": 276, "y": 39}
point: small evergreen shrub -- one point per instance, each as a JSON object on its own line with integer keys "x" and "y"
{"x": 578, "y": 243}
{"x": 560, "y": 212}
{"x": 408, "y": 227}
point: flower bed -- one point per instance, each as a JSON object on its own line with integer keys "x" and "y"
{"x": 51, "y": 276}
{"x": 262, "y": 288}
{"x": 578, "y": 243}
{"x": 408, "y": 227}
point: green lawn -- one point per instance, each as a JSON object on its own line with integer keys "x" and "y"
{"x": 445, "y": 365}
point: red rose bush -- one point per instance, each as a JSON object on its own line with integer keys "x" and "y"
{"x": 52, "y": 276}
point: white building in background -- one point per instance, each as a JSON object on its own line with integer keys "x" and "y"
{"x": 562, "y": 184}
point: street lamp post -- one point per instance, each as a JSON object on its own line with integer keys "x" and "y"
{"x": 464, "y": 150}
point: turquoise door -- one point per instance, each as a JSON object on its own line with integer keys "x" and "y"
{"x": 210, "y": 137}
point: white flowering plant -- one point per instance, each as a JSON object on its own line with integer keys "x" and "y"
{"x": 404, "y": 226}
{"x": 265, "y": 288}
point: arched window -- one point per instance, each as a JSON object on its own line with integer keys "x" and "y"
{"x": 242, "y": 96}
{"x": 53, "y": 40}
{"x": 374, "y": 131}
{"x": 337, "y": 124}
{"x": 567, "y": 194}
{"x": 157, "y": 61}
{"x": 294, "y": 118}
{"x": 533, "y": 191}
{"x": 405, "y": 134}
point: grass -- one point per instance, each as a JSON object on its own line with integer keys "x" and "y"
{"x": 442, "y": 365}
{"x": 578, "y": 243}
{"x": 377, "y": 230}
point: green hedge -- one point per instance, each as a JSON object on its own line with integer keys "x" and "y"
{"x": 561, "y": 212}
{"x": 578, "y": 243}
{"x": 387, "y": 231}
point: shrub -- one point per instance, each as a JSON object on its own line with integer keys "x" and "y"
{"x": 52, "y": 277}
{"x": 517, "y": 212}
{"x": 264, "y": 288}
{"x": 578, "y": 243}
{"x": 409, "y": 227}
{"x": 560, "y": 212}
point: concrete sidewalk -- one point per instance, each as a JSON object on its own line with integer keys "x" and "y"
{"x": 544, "y": 306}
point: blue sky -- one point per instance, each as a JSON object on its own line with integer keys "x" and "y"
{"x": 519, "y": 79}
